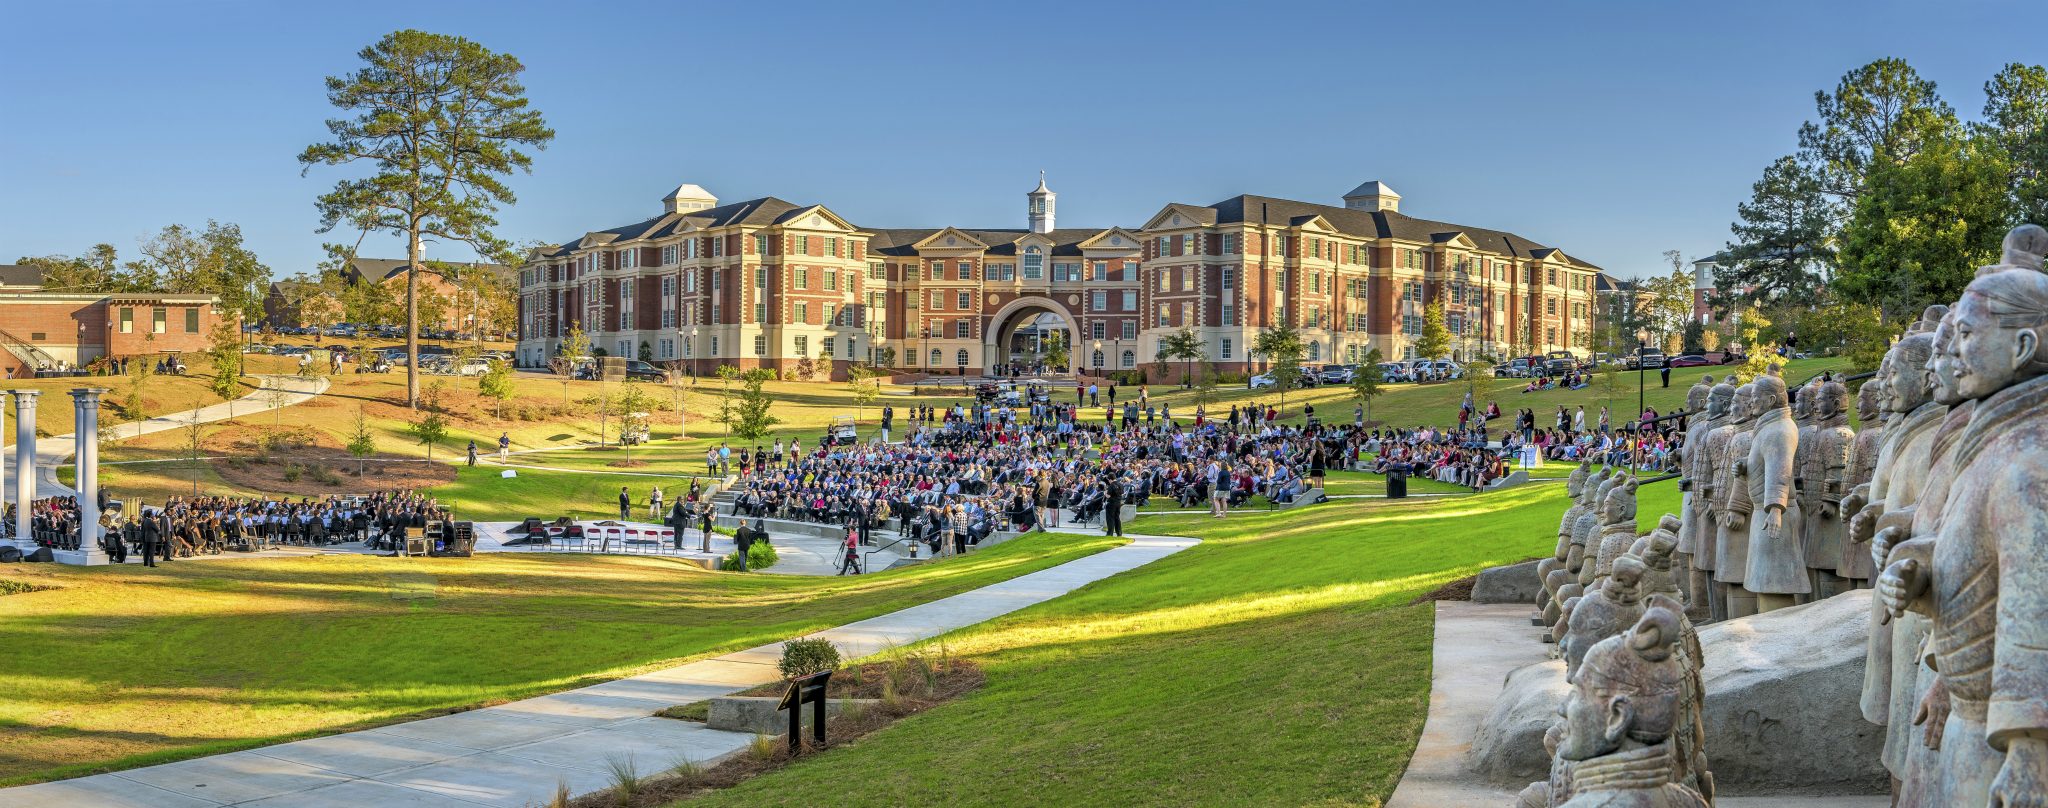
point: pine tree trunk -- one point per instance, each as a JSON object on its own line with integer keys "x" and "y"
{"x": 412, "y": 319}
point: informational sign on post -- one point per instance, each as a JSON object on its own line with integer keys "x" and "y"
{"x": 612, "y": 368}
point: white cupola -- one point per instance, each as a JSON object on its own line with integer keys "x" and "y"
{"x": 687, "y": 198}
{"x": 1040, "y": 206}
{"x": 1373, "y": 195}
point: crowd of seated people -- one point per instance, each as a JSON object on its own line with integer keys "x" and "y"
{"x": 189, "y": 526}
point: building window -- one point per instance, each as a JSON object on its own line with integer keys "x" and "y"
{"x": 960, "y": 357}
{"x": 962, "y": 329}
{"x": 832, "y": 280}
{"x": 966, "y": 270}
{"x": 803, "y": 313}
{"x": 1095, "y": 331}
{"x": 1098, "y": 300}
{"x": 1162, "y": 316}
{"x": 1098, "y": 359}
{"x": 831, "y": 314}
{"x": 1130, "y": 301}
{"x": 1130, "y": 329}
{"x": 1550, "y": 306}
{"x": 760, "y": 277}
{"x": 127, "y": 321}
{"x": 965, "y": 300}
{"x": 1229, "y": 312}
{"x": 668, "y": 255}
{"x": 1034, "y": 264}
{"x": 668, "y": 348}
{"x": 1130, "y": 360}
{"x": 1550, "y": 335}
{"x": 760, "y": 244}
{"x": 802, "y": 279}
{"x": 1100, "y": 271}
{"x": 937, "y": 356}
{"x": 803, "y": 345}
{"x": 192, "y": 321}
{"x": 760, "y": 345}
{"x": 158, "y": 320}
{"x": 760, "y": 312}
{"x": 714, "y": 346}
{"x": 1230, "y": 243}
{"x": 825, "y": 348}
{"x": 1226, "y": 347}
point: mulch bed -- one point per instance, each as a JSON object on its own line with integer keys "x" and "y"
{"x": 914, "y": 691}
{"x": 1460, "y": 589}
{"x": 310, "y": 455}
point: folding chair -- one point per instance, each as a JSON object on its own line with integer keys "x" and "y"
{"x": 664, "y": 539}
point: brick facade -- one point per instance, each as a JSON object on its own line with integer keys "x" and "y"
{"x": 51, "y": 329}
{"x": 767, "y": 283}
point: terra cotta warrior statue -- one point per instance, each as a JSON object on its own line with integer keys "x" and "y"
{"x": 1827, "y": 472}
{"x": 1721, "y": 414}
{"x": 1983, "y": 579}
{"x": 1777, "y": 565}
{"x": 1628, "y": 700}
{"x": 1694, "y": 503}
{"x": 1731, "y": 534}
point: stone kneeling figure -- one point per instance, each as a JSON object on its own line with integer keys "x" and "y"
{"x": 1627, "y": 699}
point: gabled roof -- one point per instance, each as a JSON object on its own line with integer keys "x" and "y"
{"x": 1373, "y": 224}
{"x": 378, "y": 270}
{"x": 1001, "y": 242}
{"x": 20, "y": 275}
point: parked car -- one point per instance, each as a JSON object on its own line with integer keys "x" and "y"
{"x": 1338, "y": 374}
{"x": 1650, "y": 361}
{"x": 1515, "y": 368}
{"x": 639, "y": 371}
{"x": 1266, "y": 379}
{"x": 1689, "y": 361}
{"x": 473, "y": 367}
{"x": 1393, "y": 372}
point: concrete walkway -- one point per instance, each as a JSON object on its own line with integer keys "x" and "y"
{"x": 1476, "y": 646}
{"x": 56, "y": 451}
{"x": 515, "y": 754}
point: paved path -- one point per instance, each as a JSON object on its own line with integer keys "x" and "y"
{"x": 56, "y": 451}
{"x": 514, "y": 754}
{"x": 1476, "y": 646}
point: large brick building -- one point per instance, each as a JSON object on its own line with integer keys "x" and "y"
{"x": 52, "y": 330}
{"x": 769, "y": 283}
{"x": 459, "y": 310}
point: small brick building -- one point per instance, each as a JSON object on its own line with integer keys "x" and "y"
{"x": 56, "y": 330}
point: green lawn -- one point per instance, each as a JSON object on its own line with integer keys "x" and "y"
{"x": 1276, "y": 664}
{"x": 118, "y": 667}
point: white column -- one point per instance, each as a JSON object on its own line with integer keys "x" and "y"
{"x": 87, "y": 453}
{"x": 24, "y": 460}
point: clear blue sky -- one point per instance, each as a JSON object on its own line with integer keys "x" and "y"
{"x": 1615, "y": 130}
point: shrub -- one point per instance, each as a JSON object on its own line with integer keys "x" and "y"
{"x": 803, "y": 657}
{"x": 759, "y": 557}
{"x": 292, "y": 472}
{"x": 324, "y": 475}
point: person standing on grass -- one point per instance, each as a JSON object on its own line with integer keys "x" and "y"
{"x": 1579, "y": 420}
{"x": 654, "y": 503}
{"x": 472, "y": 451}
{"x": 625, "y": 504}
{"x": 849, "y": 549}
{"x": 504, "y": 446}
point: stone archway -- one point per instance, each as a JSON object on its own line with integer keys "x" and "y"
{"x": 1005, "y": 320}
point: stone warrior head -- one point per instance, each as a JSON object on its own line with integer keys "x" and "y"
{"x": 1575, "y": 485}
{"x": 1620, "y": 503}
{"x": 1720, "y": 400}
{"x": 1626, "y": 692}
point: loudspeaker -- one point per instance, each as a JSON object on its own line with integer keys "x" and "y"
{"x": 42, "y": 554}
{"x": 10, "y": 554}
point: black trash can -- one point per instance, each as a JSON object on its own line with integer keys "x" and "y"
{"x": 1397, "y": 484}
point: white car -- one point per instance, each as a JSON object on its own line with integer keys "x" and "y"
{"x": 473, "y": 367}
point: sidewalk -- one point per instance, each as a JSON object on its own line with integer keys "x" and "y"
{"x": 56, "y": 451}
{"x": 515, "y": 754}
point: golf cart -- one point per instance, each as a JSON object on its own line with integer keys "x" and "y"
{"x": 842, "y": 432}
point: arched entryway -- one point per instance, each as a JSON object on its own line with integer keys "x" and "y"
{"x": 1018, "y": 330}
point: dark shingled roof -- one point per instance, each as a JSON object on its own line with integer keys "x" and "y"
{"x": 899, "y": 241}
{"x": 757, "y": 212}
{"x": 20, "y": 275}
{"x": 1372, "y": 224}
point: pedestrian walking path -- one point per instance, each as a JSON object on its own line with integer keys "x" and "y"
{"x": 515, "y": 754}
{"x": 55, "y": 451}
